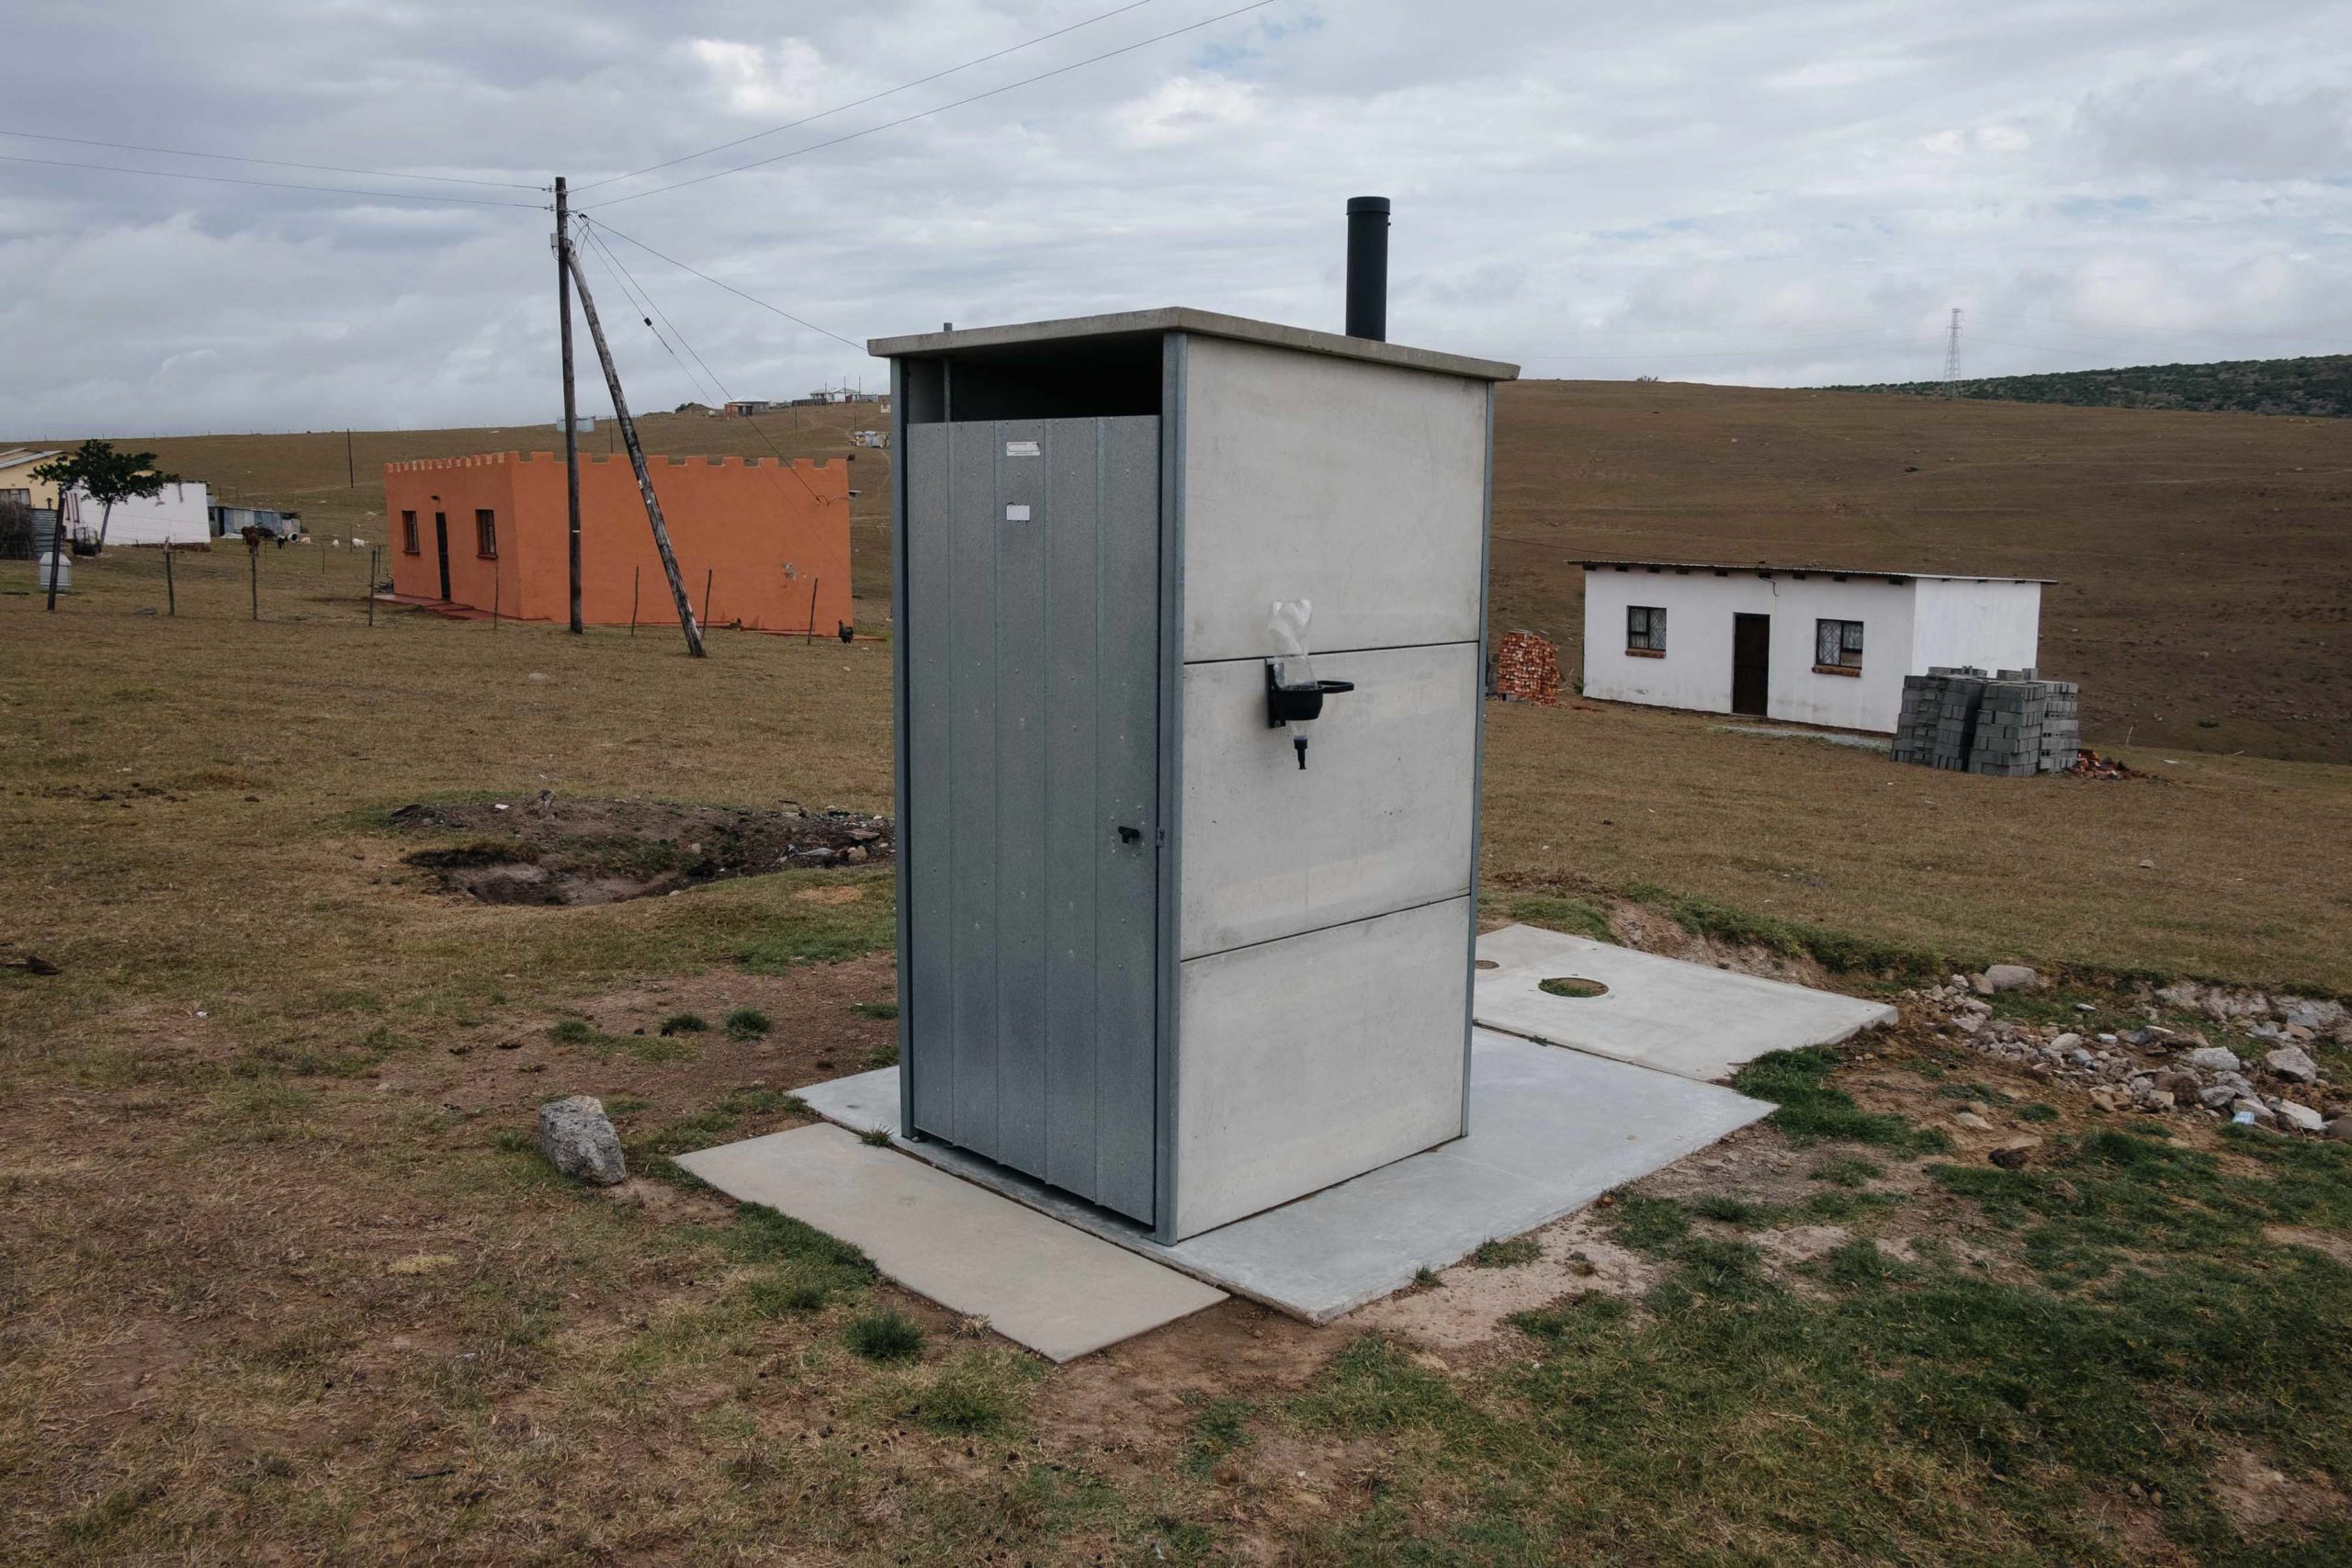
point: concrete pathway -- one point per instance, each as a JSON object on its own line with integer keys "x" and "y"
{"x": 1550, "y": 1131}
{"x": 1680, "y": 1018}
{"x": 1037, "y": 1281}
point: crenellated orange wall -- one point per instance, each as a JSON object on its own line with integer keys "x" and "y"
{"x": 762, "y": 534}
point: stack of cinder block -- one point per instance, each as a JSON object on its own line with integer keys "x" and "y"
{"x": 1525, "y": 669}
{"x": 2009, "y": 725}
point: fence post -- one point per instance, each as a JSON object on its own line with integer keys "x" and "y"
{"x": 636, "y": 575}
{"x": 812, "y": 612}
{"x": 171, "y": 592}
{"x": 707, "y": 577}
{"x": 253, "y": 559}
{"x": 371, "y": 585}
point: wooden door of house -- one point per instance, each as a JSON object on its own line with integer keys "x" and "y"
{"x": 1751, "y": 664}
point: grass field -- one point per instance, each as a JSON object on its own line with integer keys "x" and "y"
{"x": 2203, "y": 561}
{"x": 281, "y": 1277}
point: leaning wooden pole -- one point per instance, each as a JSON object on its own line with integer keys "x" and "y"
{"x": 687, "y": 622}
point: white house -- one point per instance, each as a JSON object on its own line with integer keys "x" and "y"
{"x": 1808, "y": 644}
{"x": 179, "y": 513}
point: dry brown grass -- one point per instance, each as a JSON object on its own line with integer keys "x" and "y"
{"x": 278, "y": 1283}
{"x": 2203, "y": 561}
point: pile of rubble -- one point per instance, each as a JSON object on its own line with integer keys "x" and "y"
{"x": 1525, "y": 667}
{"x": 2158, "y": 1070}
{"x": 2089, "y": 764}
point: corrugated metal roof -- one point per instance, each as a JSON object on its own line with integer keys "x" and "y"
{"x": 24, "y": 455}
{"x": 1770, "y": 568}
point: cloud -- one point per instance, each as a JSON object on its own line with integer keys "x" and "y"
{"x": 1707, "y": 190}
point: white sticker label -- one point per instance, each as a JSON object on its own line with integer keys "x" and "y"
{"x": 1021, "y": 448}
{"x": 1016, "y": 514}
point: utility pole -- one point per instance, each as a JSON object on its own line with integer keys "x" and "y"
{"x": 350, "y": 467}
{"x": 637, "y": 460}
{"x": 570, "y": 404}
{"x": 1951, "y": 357}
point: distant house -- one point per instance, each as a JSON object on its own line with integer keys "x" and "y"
{"x": 179, "y": 513}
{"x": 1811, "y": 644}
{"x": 230, "y": 522}
{"x": 744, "y": 408}
{"x": 17, "y": 481}
{"x": 762, "y": 542}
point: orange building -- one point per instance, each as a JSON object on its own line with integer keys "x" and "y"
{"x": 763, "y": 538}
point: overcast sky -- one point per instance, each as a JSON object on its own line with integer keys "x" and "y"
{"x": 1783, "y": 195}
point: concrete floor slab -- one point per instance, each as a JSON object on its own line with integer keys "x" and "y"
{"x": 1687, "y": 1019}
{"x": 1037, "y": 1281}
{"x": 1550, "y": 1131}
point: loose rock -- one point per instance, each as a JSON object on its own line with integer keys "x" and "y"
{"x": 2293, "y": 1062}
{"x": 2302, "y": 1118}
{"x": 2214, "y": 1059}
{"x": 2015, "y": 1154}
{"x": 2010, "y": 977}
{"x": 578, "y": 1139}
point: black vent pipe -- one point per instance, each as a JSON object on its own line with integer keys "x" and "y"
{"x": 1368, "y": 268}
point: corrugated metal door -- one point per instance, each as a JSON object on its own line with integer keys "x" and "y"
{"x": 1031, "y": 869}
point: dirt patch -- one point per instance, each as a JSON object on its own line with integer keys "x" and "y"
{"x": 1470, "y": 1304}
{"x": 1638, "y": 926}
{"x": 820, "y": 1024}
{"x": 2259, "y": 1497}
{"x": 545, "y": 849}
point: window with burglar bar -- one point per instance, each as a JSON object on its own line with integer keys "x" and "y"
{"x": 485, "y": 533}
{"x": 1645, "y": 629}
{"x": 408, "y": 533}
{"x": 1838, "y": 644}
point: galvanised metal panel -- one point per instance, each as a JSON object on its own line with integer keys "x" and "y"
{"x": 926, "y": 842}
{"x": 1381, "y": 818}
{"x": 1021, "y": 785}
{"x": 1032, "y": 697}
{"x": 974, "y": 724}
{"x": 1127, "y": 765}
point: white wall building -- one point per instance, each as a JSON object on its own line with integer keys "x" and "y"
{"x": 1806, "y": 644}
{"x": 179, "y": 513}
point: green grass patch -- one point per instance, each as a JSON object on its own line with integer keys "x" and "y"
{"x": 652, "y": 1153}
{"x": 796, "y": 933}
{"x": 1219, "y": 1427}
{"x": 747, "y": 1023}
{"x": 1654, "y": 1225}
{"x": 1491, "y": 1254}
{"x": 1848, "y": 1170}
{"x": 1557, "y": 913}
{"x": 885, "y": 1335}
{"x": 875, "y": 1009}
{"x": 573, "y": 1032}
{"x": 1813, "y": 1110}
{"x": 1571, "y": 986}
{"x": 684, "y": 1023}
{"x": 1831, "y": 949}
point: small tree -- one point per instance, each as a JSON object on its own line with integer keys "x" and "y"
{"x": 106, "y": 475}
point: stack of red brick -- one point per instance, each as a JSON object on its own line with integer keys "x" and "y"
{"x": 1526, "y": 670}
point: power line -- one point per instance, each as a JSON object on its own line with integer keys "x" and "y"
{"x": 869, "y": 98}
{"x": 274, "y": 185}
{"x": 731, "y": 289}
{"x": 959, "y": 103}
{"x": 275, "y": 163}
{"x": 641, "y": 308}
{"x": 725, "y": 396}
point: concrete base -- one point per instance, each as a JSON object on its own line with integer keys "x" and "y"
{"x": 1039, "y": 1283}
{"x": 1550, "y": 1131}
{"x": 1659, "y": 1012}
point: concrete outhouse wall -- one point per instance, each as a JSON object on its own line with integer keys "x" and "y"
{"x": 1696, "y": 669}
{"x": 1994, "y": 626}
{"x": 1324, "y": 916}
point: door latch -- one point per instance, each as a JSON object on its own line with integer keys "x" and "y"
{"x": 1130, "y": 835}
{"x": 1295, "y": 696}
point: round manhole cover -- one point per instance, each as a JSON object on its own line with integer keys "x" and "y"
{"x": 1572, "y": 986}
{"x": 1487, "y": 964}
